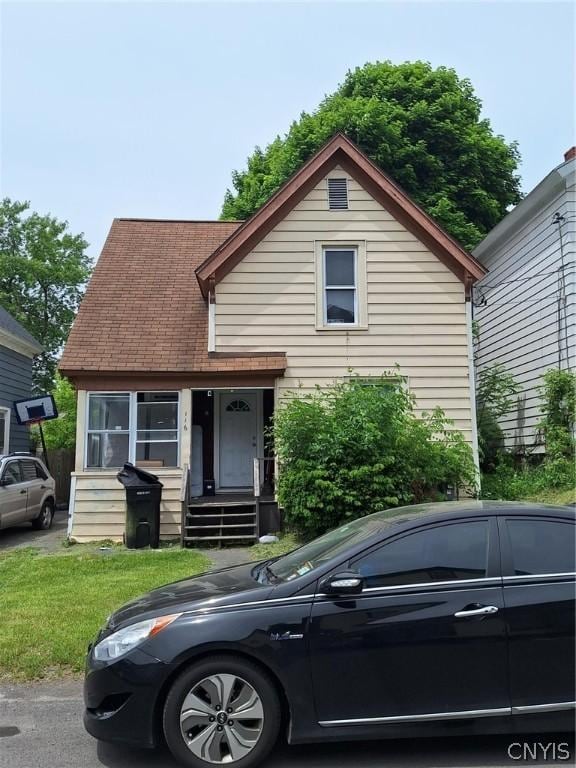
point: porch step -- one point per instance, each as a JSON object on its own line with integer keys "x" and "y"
{"x": 230, "y": 525}
{"x": 221, "y": 519}
{"x": 219, "y": 514}
{"x": 216, "y": 538}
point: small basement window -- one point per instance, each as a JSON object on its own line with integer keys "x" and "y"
{"x": 337, "y": 194}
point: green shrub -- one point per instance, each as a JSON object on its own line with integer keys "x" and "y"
{"x": 357, "y": 447}
{"x": 510, "y": 482}
{"x": 495, "y": 394}
{"x": 558, "y": 393}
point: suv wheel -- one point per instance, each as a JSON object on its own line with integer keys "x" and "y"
{"x": 44, "y": 519}
{"x": 222, "y": 711}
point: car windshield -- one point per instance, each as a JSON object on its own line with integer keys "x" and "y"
{"x": 331, "y": 544}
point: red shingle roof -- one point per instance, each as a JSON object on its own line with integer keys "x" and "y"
{"x": 143, "y": 309}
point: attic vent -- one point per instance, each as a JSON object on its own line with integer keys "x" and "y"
{"x": 337, "y": 194}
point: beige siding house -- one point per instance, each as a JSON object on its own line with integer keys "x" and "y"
{"x": 180, "y": 369}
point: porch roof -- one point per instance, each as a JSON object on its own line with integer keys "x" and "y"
{"x": 144, "y": 313}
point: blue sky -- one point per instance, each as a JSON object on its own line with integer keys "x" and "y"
{"x": 143, "y": 109}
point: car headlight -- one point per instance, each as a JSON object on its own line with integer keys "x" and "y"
{"x": 124, "y": 640}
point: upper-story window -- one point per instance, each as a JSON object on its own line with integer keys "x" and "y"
{"x": 141, "y": 427}
{"x": 341, "y": 296}
{"x": 340, "y": 286}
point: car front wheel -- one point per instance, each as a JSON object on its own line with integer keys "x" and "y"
{"x": 44, "y": 519}
{"x": 222, "y": 711}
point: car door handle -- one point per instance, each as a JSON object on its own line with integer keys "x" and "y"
{"x": 23, "y": 490}
{"x": 484, "y": 610}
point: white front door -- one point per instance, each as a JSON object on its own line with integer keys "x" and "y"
{"x": 238, "y": 438}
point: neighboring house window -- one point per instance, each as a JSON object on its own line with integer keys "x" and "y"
{"x": 337, "y": 194}
{"x": 4, "y": 430}
{"x": 141, "y": 427}
{"x": 341, "y": 301}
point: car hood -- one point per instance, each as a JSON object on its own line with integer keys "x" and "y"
{"x": 208, "y": 590}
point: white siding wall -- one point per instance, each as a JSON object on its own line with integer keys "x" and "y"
{"x": 416, "y": 305}
{"x": 519, "y": 323}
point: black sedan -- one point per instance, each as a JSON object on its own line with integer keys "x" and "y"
{"x": 439, "y": 619}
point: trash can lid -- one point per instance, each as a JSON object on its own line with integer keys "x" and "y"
{"x": 131, "y": 475}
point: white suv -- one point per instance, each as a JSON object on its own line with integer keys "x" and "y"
{"x": 26, "y": 492}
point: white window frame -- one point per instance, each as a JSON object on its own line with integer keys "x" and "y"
{"x": 132, "y": 430}
{"x": 326, "y": 288}
{"x": 360, "y": 293}
{"x": 7, "y": 414}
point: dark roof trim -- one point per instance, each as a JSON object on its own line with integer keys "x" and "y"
{"x": 338, "y": 151}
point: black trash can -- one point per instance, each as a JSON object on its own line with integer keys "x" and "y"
{"x": 143, "y": 496}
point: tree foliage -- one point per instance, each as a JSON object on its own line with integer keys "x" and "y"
{"x": 60, "y": 432}
{"x": 421, "y": 125}
{"x": 495, "y": 396}
{"x": 558, "y": 392}
{"x": 355, "y": 448}
{"x": 43, "y": 271}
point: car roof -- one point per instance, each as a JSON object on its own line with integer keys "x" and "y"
{"x": 446, "y": 510}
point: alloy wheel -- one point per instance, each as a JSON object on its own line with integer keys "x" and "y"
{"x": 221, "y": 719}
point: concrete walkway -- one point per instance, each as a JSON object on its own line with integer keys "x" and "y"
{"x": 228, "y": 556}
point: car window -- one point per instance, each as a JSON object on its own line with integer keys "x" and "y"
{"x": 441, "y": 553}
{"x": 28, "y": 469}
{"x": 40, "y": 472}
{"x": 12, "y": 473}
{"x": 542, "y": 546}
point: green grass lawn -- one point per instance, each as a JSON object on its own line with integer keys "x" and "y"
{"x": 52, "y": 605}
{"x": 286, "y": 543}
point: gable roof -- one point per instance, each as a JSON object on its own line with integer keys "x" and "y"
{"x": 339, "y": 151}
{"x": 14, "y": 336}
{"x": 143, "y": 310}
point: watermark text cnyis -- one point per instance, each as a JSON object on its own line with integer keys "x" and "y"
{"x": 537, "y": 750}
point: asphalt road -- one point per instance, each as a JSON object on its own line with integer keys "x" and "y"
{"x": 40, "y": 727}
{"x": 25, "y": 536}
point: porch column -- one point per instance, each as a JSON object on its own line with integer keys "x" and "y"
{"x": 186, "y": 427}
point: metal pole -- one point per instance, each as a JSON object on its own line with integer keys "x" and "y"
{"x": 44, "y": 447}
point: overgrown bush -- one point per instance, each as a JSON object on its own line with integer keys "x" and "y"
{"x": 558, "y": 393}
{"x": 495, "y": 394}
{"x": 510, "y": 482}
{"x": 358, "y": 447}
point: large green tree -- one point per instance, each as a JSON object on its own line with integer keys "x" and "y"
{"x": 421, "y": 125}
{"x": 43, "y": 272}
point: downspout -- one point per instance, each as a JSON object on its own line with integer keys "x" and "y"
{"x": 472, "y": 373}
{"x": 212, "y": 316}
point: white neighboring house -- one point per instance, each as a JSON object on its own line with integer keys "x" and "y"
{"x": 526, "y": 306}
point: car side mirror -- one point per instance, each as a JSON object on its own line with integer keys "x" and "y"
{"x": 343, "y": 583}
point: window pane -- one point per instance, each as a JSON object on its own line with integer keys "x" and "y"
{"x": 157, "y": 415}
{"x": 144, "y": 435}
{"x": 166, "y": 454}
{"x": 40, "y": 473}
{"x": 28, "y": 469}
{"x": 109, "y": 449}
{"x": 3, "y": 421}
{"x": 340, "y": 268}
{"x": 445, "y": 553}
{"x": 542, "y": 546}
{"x": 109, "y": 412}
{"x": 156, "y": 397}
{"x": 340, "y": 306}
{"x": 12, "y": 473}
